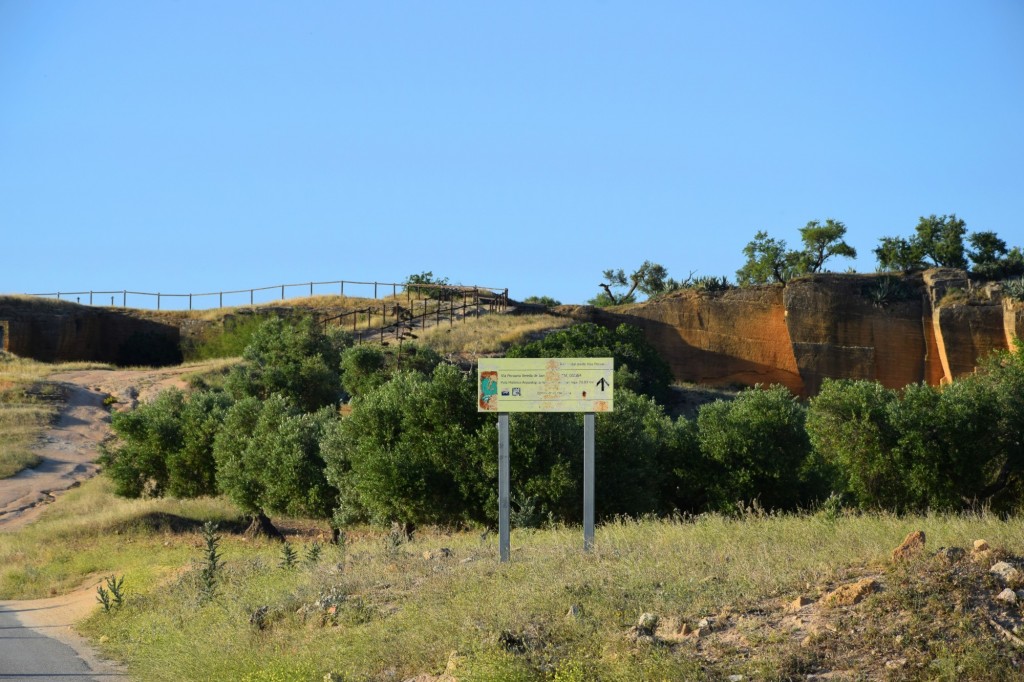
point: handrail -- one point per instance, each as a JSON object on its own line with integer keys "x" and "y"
{"x": 406, "y": 287}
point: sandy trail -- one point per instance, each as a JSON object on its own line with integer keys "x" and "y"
{"x": 69, "y": 450}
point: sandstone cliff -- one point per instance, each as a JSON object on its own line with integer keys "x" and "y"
{"x": 926, "y": 327}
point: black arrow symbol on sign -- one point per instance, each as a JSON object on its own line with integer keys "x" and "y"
{"x": 602, "y": 383}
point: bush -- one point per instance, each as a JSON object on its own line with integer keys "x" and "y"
{"x": 757, "y": 448}
{"x": 409, "y": 452}
{"x": 638, "y": 367}
{"x": 546, "y": 301}
{"x": 362, "y": 369}
{"x": 165, "y": 447}
{"x": 1014, "y": 288}
{"x": 930, "y": 448}
{"x": 427, "y": 285}
{"x": 645, "y": 462}
{"x": 297, "y": 360}
{"x": 268, "y": 458}
{"x": 848, "y": 425}
{"x": 366, "y": 367}
{"x": 947, "y": 439}
{"x": 228, "y": 341}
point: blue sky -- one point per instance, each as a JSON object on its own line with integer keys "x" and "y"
{"x": 202, "y": 146}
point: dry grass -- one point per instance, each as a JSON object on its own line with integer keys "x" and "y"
{"x": 378, "y": 609}
{"x": 489, "y": 334}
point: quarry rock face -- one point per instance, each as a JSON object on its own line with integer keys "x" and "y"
{"x": 895, "y": 329}
{"x": 931, "y": 327}
{"x": 53, "y": 331}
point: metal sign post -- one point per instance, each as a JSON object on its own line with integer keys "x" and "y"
{"x": 545, "y": 385}
{"x": 588, "y": 481}
{"x": 503, "y": 487}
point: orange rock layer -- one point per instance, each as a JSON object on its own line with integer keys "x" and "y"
{"x": 928, "y": 327}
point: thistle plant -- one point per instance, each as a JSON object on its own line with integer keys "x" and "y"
{"x": 313, "y": 552}
{"x": 289, "y": 556}
{"x": 111, "y": 596}
{"x": 212, "y": 563}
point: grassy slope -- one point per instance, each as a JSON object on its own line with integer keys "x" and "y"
{"x": 376, "y": 610}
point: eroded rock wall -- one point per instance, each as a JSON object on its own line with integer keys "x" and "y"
{"x": 928, "y": 327}
{"x": 53, "y": 331}
{"x": 839, "y": 330}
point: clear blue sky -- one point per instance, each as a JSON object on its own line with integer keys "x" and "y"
{"x": 200, "y": 146}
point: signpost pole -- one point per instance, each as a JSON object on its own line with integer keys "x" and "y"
{"x": 588, "y": 481}
{"x": 503, "y": 487}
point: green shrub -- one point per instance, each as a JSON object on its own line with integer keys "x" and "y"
{"x": 757, "y": 448}
{"x": 947, "y": 439}
{"x": 165, "y": 447}
{"x": 645, "y": 462}
{"x": 426, "y": 284}
{"x": 848, "y": 425}
{"x": 887, "y": 290}
{"x": 929, "y": 448}
{"x": 1014, "y": 288}
{"x": 542, "y": 300}
{"x": 268, "y": 458}
{"x": 294, "y": 359}
{"x": 227, "y": 341}
{"x": 409, "y": 452}
{"x": 362, "y": 369}
{"x": 366, "y": 367}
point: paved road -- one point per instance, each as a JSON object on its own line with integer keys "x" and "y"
{"x": 34, "y": 655}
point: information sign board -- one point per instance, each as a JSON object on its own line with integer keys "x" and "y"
{"x": 545, "y": 385}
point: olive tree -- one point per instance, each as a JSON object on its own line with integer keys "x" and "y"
{"x": 268, "y": 460}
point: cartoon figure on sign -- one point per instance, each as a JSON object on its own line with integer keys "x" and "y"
{"x": 488, "y": 390}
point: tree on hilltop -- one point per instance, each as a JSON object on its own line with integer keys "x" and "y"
{"x": 650, "y": 279}
{"x": 769, "y": 261}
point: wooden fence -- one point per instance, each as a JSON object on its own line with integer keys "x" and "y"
{"x": 455, "y": 303}
{"x": 380, "y": 289}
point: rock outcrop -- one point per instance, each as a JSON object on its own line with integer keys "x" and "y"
{"x": 926, "y": 327}
{"x": 53, "y": 331}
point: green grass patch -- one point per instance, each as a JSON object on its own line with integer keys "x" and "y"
{"x": 227, "y": 340}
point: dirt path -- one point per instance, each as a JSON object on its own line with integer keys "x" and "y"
{"x": 69, "y": 451}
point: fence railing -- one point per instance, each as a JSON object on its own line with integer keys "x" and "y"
{"x": 337, "y": 287}
{"x": 372, "y": 321}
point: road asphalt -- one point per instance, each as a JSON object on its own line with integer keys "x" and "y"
{"x": 34, "y": 654}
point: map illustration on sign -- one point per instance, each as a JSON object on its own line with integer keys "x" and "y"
{"x": 546, "y": 385}
{"x": 488, "y": 390}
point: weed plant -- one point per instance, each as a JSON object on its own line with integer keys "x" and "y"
{"x": 289, "y": 557}
{"x": 111, "y": 597}
{"x": 212, "y": 564}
